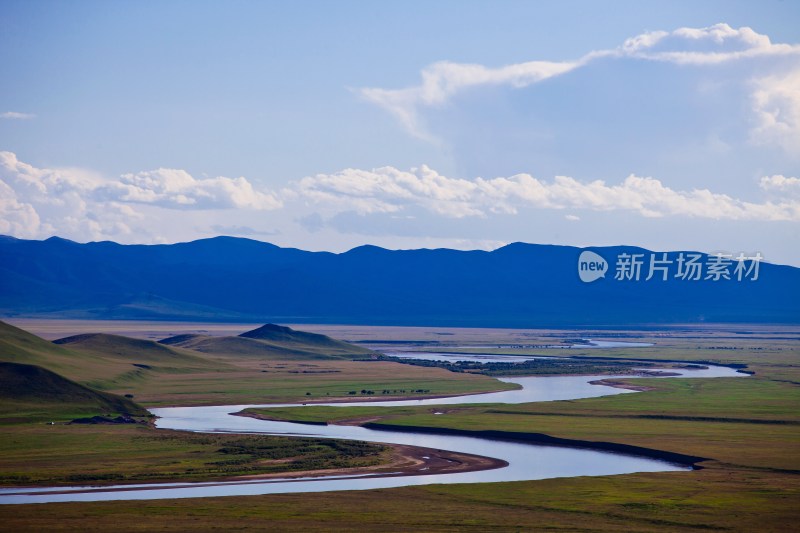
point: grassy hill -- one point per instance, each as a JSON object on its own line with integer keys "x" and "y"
{"x": 270, "y": 342}
{"x": 17, "y": 345}
{"x": 313, "y": 343}
{"x": 102, "y": 361}
{"x": 130, "y": 350}
{"x": 202, "y": 370}
{"x": 20, "y": 346}
{"x": 33, "y": 392}
{"x": 236, "y": 346}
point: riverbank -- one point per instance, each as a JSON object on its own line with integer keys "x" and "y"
{"x": 404, "y": 460}
{"x": 376, "y": 422}
{"x": 749, "y": 426}
{"x": 622, "y": 385}
{"x": 62, "y": 455}
{"x": 475, "y": 463}
{"x": 541, "y": 438}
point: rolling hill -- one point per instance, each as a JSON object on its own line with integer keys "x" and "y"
{"x": 102, "y": 361}
{"x": 518, "y": 285}
{"x": 302, "y": 340}
{"x": 131, "y": 350}
{"x": 20, "y": 346}
{"x": 30, "y": 389}
{"x": 272, "y": 342}
{"x": 186, "y": 368}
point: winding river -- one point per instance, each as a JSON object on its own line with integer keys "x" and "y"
{"x": 525, "y": 461}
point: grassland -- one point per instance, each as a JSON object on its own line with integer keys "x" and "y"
{"x": 703, "y": 501}
{"x": 37, "y": 454}
{"x": 752, "y": 482}
{"x": 292, "y": 381}
{"x": 39, "y": 446}
{"x": 739, "y": 422}
{"x": 29, "y": 393}
{"x": 749, "y": 428}
{"x": 159, "y": 375}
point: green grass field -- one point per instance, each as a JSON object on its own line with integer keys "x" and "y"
{"x": 159, "y": 375}
{"x": 293, "y": 381}
{"x": 748, "y": 428}
{"x": 79, "y": 454}
{"x": 38, "y": 446}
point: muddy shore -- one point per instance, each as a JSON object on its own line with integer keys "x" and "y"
{"x": 405, "y": 460}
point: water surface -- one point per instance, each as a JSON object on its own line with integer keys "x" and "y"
{"x": 526, "y": 461}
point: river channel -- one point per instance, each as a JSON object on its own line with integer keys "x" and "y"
{"x": 525, "y": 461}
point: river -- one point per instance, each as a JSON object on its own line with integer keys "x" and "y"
{"x": 525, "y": 461}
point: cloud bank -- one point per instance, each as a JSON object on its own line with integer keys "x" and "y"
{"x": 37, "y": 202}
{"x": 177, "y": 189}
{"x": 705, "y": 112}
{"x": 390, "y": 190}
{"x": 775, "y": 97}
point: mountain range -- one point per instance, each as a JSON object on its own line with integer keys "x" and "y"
{"x": 518, "y": 285}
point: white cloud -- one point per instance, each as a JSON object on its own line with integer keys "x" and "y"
{"x": 776, "y": 103}
{"x": 169, "y": 188}
{"x": 173, "y": 188}
{"x": 17, "y": 218}
{"x": 717, "y": 44}
{"x": 55, "y": 187}
{"x": 15, "y": 115}
{"x": 390, "y": 190}
{"x": 58, "y": 201}
{"x": 80, "y": 204}
{"x": 775, "y": 97}
{"x": 781, "y": 185}
{"x": 442, "y": 80}
{"x": 77, "y": 203}
{"x": 387, "y": 189}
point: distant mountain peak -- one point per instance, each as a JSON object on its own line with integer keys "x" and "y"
{"x": 231, "y": 238}
{"x": 267, "y": 330}
{"x": 56, "y": 240}
{"x": 367, "y": 249}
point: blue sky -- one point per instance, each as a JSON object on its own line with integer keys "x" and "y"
{"x": 326, "y": 125}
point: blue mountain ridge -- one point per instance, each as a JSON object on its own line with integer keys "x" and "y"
{"x": 234, "y": 279}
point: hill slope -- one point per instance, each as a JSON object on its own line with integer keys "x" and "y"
{"x": 30, "y": 388}
{"x": 130, "y": 350}
{"x": 19, "y": 345}
{"x": 102, "y": 361}
{"x": 288, "y": 338}
{"x": 272, "y": 342}
{"x": 519, "y": 285}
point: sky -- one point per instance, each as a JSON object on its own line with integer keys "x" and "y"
{"x": 669, "y": 125}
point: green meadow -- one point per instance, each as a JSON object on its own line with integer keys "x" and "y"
{"x": 112, "y": 376}
{"x": 155, "y": 374}
{"x": 747, "y": 428}
{"x": 100, "y": 454}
